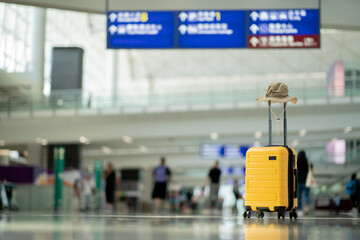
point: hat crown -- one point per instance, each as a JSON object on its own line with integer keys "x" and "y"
{"x": 278, "y": 90}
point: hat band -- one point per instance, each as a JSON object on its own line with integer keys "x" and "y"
{"x": 276, "y": 95}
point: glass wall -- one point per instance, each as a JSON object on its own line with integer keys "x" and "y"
{"x": 15, "y": 38}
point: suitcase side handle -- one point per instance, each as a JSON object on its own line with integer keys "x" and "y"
{"x": 270, "y": 127}
{"x": 296, "y": 182}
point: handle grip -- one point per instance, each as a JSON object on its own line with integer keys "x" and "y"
{"x": 285, "y": 126}
{"x": 296, "y": 182}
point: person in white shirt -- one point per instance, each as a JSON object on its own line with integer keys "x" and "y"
{"x": 88, "y": 191}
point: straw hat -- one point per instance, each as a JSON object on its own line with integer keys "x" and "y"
{"x": 277, "y": 93}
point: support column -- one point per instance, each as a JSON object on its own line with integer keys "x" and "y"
{"x": 59, "y": 159}
{"x": 98, "y": 177}
{"x": 38, "y": 49}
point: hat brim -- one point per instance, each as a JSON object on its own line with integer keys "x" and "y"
{"x": 277, "y": 100}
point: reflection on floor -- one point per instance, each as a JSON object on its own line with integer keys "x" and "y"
{"x": 30, "y": 226}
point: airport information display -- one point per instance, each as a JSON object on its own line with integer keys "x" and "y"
{"x": 292, "y": 28}
{"x": 211, "y": 29}
{"x": 230, "y": 151}
{"x": 140, "y": 29}
{"x": 283, "y": 28}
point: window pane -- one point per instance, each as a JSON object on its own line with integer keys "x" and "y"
{"x": 15, "y": 37}
{"x": 20, "y": 50}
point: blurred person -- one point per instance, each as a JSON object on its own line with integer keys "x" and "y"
{"x": 88, "y": 191}
{"x": 161, "y": 176}
{"x": 214, "y": 180}
{"x": 189, "y": 196}
{"x": 9, "y": 187}
{"x": 303, "y": 169}
{"x": 173, "y": 200}
{"x": 352, "y": 189}
{"x": 336, "y": 200}
{"x": 237, "y": 193}
{"x": 173, "y": 196}
{"x": 110, "y": 178}
{"x": 77, "y": 193}
{"x": 1, "y": 201}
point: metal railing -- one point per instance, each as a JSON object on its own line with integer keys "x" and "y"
{"x": 77, "y": 99}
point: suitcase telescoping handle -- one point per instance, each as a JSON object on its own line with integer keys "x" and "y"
{"x": 285, "y": 126}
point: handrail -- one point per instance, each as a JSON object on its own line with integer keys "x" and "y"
{"x": 77, "y": 99}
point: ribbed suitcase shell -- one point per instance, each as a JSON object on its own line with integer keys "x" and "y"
{"x": 267, "y": 179}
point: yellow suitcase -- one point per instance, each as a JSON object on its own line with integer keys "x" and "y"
{"x": 271, "y": 179}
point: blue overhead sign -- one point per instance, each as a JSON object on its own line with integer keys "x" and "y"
{"x": 211, "y": 29}
{"x": 285, "y": 28}
{"x": 140, "y": 29}
{"x": 275, "y": 22}
{"x": 230, "y": 151}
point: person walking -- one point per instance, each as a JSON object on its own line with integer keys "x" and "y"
{"x": 109, "y": 176}
{"x": 214, "y": 180}
{"x": 352, "y": 189}
{"x": 237, "y": 194}
{"x": 161, "y": 176}
{"x": 88, "y": 191}
{"x": 303, "y": 169}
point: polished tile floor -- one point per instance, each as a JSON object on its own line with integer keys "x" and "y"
{"x": 31, "y": 226}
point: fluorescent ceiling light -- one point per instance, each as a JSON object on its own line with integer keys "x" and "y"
{"x": 295, "y": 143}
{"x": 82, "y": 139}
{"x": 302, "y": 132}
{"x": 127, "y": 139}
{"x": 258, "y": 134}
{"x": 143, "y": 149}
{"x": 214, "y": 136}
{"x": 347, "y": 129}
{"x": 106, "y": 150}
{"x": 60, "y": 102}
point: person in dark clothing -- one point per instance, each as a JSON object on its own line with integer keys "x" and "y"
{"x": 352, "y": 189}
{"x": 110, "y": 177}
{"x": 1, "y": 203}
{"x": 214, "y": 179}
{"x": 303, "y": 169}
{"x": 9, "y": 192}
{"x": 161, "y": 176}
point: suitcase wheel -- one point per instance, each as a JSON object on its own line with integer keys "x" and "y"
{"x": 260, "y": 214}
{"x": 293, "y": 214}
{"x": 281, "y": 214}
{"x": 247, "y": 214}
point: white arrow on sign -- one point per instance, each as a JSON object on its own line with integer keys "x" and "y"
{"x": 112, "y": 29}
{"x": 254, "y": 28}
{"x": 254, "y": 15}
{"x": 182, "y": 29}
{"x": 254, "y": 41}
{"x": 183, "y": 16}
{"x": 113, "y": 17}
